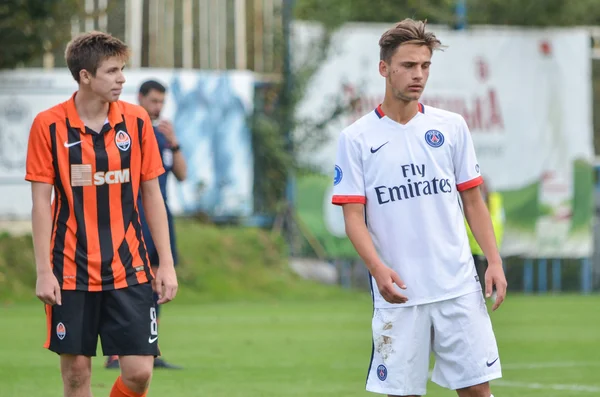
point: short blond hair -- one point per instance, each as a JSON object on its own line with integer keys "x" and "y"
{"x": 407, "y": 31}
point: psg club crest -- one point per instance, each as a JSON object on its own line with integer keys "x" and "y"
{"x": 122, "y": 140}
{"x": 382, "y": 372}
{"x": 337, "y": 178}
{"x": 434, "y": 138}
{"x": 61, "y": 331}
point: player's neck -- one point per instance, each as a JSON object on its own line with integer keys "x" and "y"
{"x": 90, "y": 107}
{"x": 400, "y": 111}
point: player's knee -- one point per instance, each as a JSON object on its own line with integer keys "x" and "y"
{"x": 481, "y": 390}
{"x": 76, "y": 372}
{"x": 140, "y": 377}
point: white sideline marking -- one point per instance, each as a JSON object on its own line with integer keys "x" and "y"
{"x": 558, "y": 364}
{"x": 524, "y": 385}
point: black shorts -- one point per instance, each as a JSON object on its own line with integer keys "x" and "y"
{"x": 125, "y": 320}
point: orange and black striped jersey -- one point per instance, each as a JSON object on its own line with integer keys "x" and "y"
{"x": 97, "y": 241}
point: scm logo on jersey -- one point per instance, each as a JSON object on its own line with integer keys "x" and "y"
{"x": 81, "y": 175}
{"x": 111, "y": 177}
{"x": 122, "y": 140}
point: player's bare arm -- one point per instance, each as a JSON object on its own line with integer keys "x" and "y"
{"x": 156, "y": 216}
{"x": 47, "y": 288}
{"x": 179, "y": 166}
{"x": 361, "y": 239}
{"x": 480, "y": 222}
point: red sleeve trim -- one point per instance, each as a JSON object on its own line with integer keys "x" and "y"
{"x": 338, "y": 200}
{"x": 469, "y": 184}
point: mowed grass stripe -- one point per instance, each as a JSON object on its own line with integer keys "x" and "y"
{"x": 317, "y": 348}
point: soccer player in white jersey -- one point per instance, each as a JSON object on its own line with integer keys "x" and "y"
{"x": 401, "y": 174}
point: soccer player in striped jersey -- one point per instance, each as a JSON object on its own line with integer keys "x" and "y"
{"x": 98, "y": 155}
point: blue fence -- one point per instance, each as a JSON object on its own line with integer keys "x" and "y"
{"x": 530, "y": 276}
{"x": 586, "y": 275}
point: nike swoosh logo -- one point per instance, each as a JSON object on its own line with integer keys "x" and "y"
{"x": 375, "y": 150}
{"x": 67, "y": 144}
{"x": 492, "y": 363}
{"x": 152, "y": 340}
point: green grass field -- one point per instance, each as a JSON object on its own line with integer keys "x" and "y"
{"x": 549, "y": 348}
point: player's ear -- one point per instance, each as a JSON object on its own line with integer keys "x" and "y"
{"x": 383, "y": 69}
{"x": 84, "y": 76}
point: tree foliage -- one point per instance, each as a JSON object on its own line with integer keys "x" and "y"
{"x": 534, "y": 13}
{"x": 493, "y": 12}
{"x": 333, "y": 13}
{"x": 275, "y": 120}
{"x": 30, "y": 27}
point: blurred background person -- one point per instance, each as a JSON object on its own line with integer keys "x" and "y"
{"x": 151, "y": 97}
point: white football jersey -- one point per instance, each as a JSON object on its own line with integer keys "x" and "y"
{"x": 409, "y": 178}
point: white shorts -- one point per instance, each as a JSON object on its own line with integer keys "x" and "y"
{"x": 459, "y": 333}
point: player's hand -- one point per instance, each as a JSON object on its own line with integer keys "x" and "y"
{"x": 494, "y": 276}
{"x": 166, "y": 283}
{"x": 166, "y": 127}
{"x": 387, "y": 282}
{"x": 47, "y": 289}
